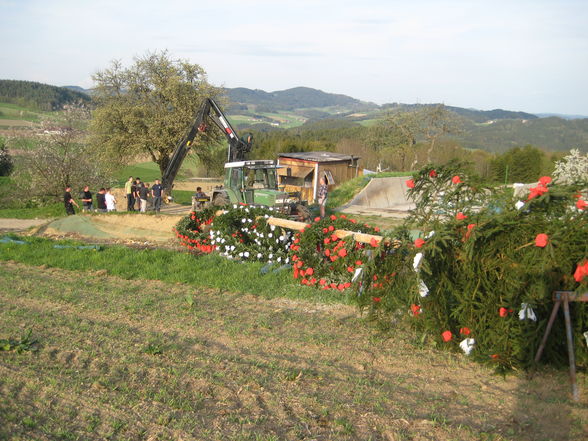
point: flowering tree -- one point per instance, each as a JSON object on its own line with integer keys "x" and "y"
{"x": 572, "y": 169}
{"x": 61, "y": 158}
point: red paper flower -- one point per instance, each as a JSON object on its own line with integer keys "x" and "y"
{"x": 299, "y": 264}
{"x": 374, "y": 242}
{"x": 541, "y": 240}
{"x": 342, "y": 252}
{"x": 322, "y": 282}
{"x": 537, "y": 191}
{"x": 358, "y": 263}
{"x": 447, "y": 336}
{"x": 456, "y": 180}
{"x": 544, "y": 180}
{"x": 495, "y": 356}
{"x": 581, "y": 204}
{"x": 419, "y": 242}
{"x": 460, "y": 216}
{"x": 331, "y": 228}
{"x": 433, "y": 174}
{"x": 327, "y": 252}
{"x": 581, "y": 271}
{"x": 316, "y": 219}
{"x": 350, "y": 269}
{"x": 377, "y": 299}
{"x": 503, "y": 312}
{"x": 334, "y": 237}
{"x": 333, "y": 217}
{"x": 327, "y": 241}
{"x": 465, "y": 331}
{"x": 416, "y": 309}
{"x": 410, "y": 183}
{"x": 309, "y": 271}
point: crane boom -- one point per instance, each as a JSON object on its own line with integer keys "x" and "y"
{"x": 238, "y": 148}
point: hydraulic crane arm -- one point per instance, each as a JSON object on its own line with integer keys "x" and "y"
{"x": 238, "y": 148}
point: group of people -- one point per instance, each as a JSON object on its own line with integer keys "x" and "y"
{"x": 105, "y": 200}
{"x": 138, "y": 193}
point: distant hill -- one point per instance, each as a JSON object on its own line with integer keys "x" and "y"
{"x": 295, "y": 98}
{"x": 37, "y": 95}
{"x": 553, "y": 134}
{"x": 79, "y": 89}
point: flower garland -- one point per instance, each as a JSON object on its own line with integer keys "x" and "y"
{"x": 243, "y": 232}
{"x": 193, "y": 230}
{"x": 323, "y": 259}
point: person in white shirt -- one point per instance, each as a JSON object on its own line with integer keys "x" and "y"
{"x": 110, "y": 201}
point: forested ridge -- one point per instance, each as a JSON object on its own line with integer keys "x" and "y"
{"x": 38, "y": 96}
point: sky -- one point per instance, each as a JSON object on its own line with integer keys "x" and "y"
{"x": 517, "y": 55}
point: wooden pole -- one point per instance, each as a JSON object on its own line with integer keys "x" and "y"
{"x": 295, "y": 225}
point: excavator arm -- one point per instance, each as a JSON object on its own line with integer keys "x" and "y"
{"x": 210, "y": 111}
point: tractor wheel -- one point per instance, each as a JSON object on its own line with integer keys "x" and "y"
{"x": 302, "y": 212}
{"x": 220, "y": 200}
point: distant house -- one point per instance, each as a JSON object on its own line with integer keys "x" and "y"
{"x": 302, "y": 171}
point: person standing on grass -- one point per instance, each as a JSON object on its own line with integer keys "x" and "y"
{"x": 156, "y": 191}
{"x": 69, "y": 202}
{"x": 101, "y": 200}
{"x": 322, "y": 195}
{"x": 129, "y": 193}
{"x": 143, "y": 193}
{"x": 86, "y": 199}
{"x": 110, "y": 201}
{"x": 136, "y": 195}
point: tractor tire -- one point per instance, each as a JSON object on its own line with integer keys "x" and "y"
{"x": 220, "y": 200}
{"x": 303, "y": 213}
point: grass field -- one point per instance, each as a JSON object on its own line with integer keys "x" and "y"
{"x": 160, "y": 345}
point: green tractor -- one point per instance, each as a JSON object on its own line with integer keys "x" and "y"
{"x": 245, "y": 181}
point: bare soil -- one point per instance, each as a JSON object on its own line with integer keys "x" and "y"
{"x": 146, "y": 360}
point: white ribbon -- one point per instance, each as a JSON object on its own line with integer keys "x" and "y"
{"x": 416, "y": 263}
{"x": 467, "y": 345}
{"x": 527, "y": 312}
{"x": 423, "y": 289}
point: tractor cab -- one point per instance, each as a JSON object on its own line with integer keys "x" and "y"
{"x": 252, "y": 182}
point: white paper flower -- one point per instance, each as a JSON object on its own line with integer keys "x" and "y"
{"x": 259, "y": 255}
{"x": 431, "y": 234}
{"x": 232, "y": 247}
{"x": 234, "y": 205}
{"x": 423, "y": 289}
{"x": 243, "y": 220}
{"x": 467, "y": 345}
{"x": 416, "y": 263}
{"x": 527, "y": 312}
{"x": 519, "y": 205}
{"x": 586, "y": 337}
{"x": 279, "y": 259}
{"x": 282, "y": 238}
{"x": 270, "y": 256}
{"x": 246, "y": 254}
{"x": 270, "y": 235}
{"x": 241, "y": 254}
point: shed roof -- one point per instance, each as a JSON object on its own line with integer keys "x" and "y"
{"x": 319, "y": 156}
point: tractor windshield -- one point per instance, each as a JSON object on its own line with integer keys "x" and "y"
{"x": 260, "y": 178}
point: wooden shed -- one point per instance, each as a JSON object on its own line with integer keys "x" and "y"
{"x": 302, "y": 171}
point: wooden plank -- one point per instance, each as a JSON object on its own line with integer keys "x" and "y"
{"x": 571, "y": 296}
{"x": 297, "y": 226}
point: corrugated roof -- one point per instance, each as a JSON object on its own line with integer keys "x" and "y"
{"x": 319, "y": 156}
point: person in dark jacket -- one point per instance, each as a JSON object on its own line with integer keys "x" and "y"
{"x": 101, "y": 200}
{"x": 69, "y": 202}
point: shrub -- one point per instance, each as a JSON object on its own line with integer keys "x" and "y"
{"x": 482, "y": 279}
